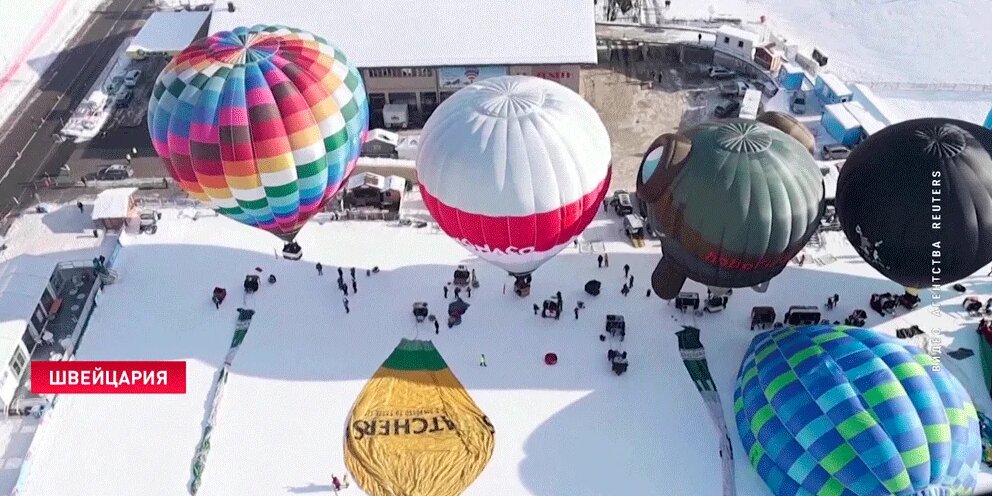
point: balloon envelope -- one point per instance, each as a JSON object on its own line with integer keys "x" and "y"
{"x": 847, "y": 411}
{"x": 915, "y": 200}
{"x": 261, "y": 123}
{"x": 736, "y": 200}
{"x": 514, "y": 168}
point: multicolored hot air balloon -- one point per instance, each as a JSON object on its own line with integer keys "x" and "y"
{"x": 514, "y": 168}
{"x": 262, "y": 123}
{"x": 915, "y": 200}
{"x": 736, "y": 200}
{"x": 849, "y": 412}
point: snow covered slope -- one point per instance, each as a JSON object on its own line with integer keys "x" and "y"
{"x": 574, "y": 428}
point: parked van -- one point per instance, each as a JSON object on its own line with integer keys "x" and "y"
{"x": 734, "y": 89}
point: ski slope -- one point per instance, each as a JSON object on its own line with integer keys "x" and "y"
{"x": 574, "y": 428}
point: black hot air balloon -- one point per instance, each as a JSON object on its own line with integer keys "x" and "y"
{"x": 735, "y": 199}
{"x": 915, "y": 200}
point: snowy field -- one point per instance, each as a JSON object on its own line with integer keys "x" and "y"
{"x": 34, "y": 33}
{"x": 911, "y": 104}
{"x": 572, "y": 429}
{"x": 874, "y": 40}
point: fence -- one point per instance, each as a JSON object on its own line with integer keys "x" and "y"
{"x": 913, "y": 86}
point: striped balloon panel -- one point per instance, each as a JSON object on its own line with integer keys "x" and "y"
{"x": 263, "y": 123}
{"x": 835, "y": 410}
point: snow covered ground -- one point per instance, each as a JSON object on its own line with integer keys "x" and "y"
{"x": 34, "y": 33}
{"x": 874, "y": 40}
{"x": 574, "y": 428}
{"x": 911, "y": 104}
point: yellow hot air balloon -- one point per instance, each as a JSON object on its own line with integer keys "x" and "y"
{"x": 414, "y": 430}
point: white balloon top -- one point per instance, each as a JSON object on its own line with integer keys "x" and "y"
{"x": 513, "y": 146}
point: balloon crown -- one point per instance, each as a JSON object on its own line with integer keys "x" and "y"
{"x": 944, "y": 140}
{"x": 743, "y": 137}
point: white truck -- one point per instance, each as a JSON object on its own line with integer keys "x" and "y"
{"x": 750, "y": 105}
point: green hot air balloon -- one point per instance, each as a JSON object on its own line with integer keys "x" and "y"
{"x": 735, "y": 199}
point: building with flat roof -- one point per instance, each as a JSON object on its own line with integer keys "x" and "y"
{"x": 418, "y": 54}
{"x": 831, "y": 89}
{"x": 168, "y": 33}
{"x": 737, "y": 41}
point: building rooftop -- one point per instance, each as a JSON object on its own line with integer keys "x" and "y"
{"x": 739, "y": 33}
{"x": 871, "y": 121}
{"x": 833, "y": 82}
{"x": 112, "y": 203}
{"x": 412, "y": 33}
{"x": 840, "y": 112}
{"x": 168, "y": 32}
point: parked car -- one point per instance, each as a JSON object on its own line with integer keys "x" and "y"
{"x": 835, "y": 152}
{"x": 114, "y": 84}
{"x": 114, "y": 172}
{"x": 622, "y": 204}
{"x": 148, "y": 222}
{"x": 132, "y": 78}
{"x": 727, "y": 108}
{"x": 798, "y": 103}
{"x": 721, "y": 73}
{"x": 734, "y": 88}
{"x": 123, "y": 98}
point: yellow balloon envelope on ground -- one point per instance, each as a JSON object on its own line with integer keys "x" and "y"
{"x": 414, "y": 430}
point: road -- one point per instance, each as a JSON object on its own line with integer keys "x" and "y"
{"x": 28, "y": 149}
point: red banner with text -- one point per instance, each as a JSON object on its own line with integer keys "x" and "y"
{"x": 108, "y": 377}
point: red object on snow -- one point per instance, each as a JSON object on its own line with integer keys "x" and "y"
{"x": 551, "y": 358}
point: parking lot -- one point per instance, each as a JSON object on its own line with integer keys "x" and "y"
{"x": 644, "y": 97}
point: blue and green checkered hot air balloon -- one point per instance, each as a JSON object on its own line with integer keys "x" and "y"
{"x": 842, "y": 411}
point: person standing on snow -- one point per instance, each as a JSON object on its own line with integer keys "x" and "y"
{"x": 482, "y": 360}
{"x": 352, "y": 272}
{"x": 599, "y": 260}
{"x": 346, "y": 309}
{"x": 606, "y": 259}
{"x": 320, "y": 269}
{"x": 437, "y": 327}
{"x": 648, "y": 294}
{"x": 458, "y": 291}
{"x": 344, "y": 289}
{"x": 336, "y": 483}
{"x": 446, "y": 292}
{"x": 626, "y": 270}
{"x": 468, "y": 290}
{"x": 354, "y": 286}
{"x": 576, "y": 313}
{"x": 536, "y": 308}
{"x": 631, "y": 284}
{"x": 340, "y": 273}
{"x": 624, "y": 290}
{"x": 79, "y": 205}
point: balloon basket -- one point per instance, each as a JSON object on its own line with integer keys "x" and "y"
{"x": 292, "y": 251}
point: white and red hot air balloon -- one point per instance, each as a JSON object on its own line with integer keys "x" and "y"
{"x": 514, "y": 168}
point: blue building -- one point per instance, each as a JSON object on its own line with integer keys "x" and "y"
{"x": 791, "y": 76}
{"x": 988, "y": 120}
{"x": 830, "y": 89}
{"x": 841, "y": 124}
